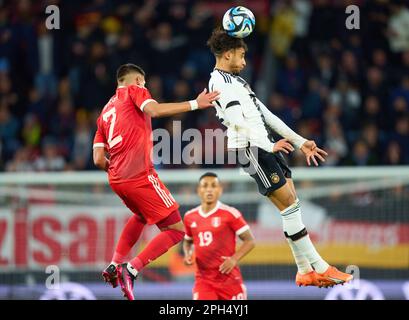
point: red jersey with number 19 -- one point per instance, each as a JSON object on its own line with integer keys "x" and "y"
{"x": 125, "y": 132}
{"x": 214, "y": 236}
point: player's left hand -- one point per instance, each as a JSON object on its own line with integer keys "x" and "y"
{"x": 205, "y": 99}
{"x": 228, "y": 265}
{"x": 310, "y": 150}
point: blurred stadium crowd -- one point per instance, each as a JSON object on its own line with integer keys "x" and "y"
{"x": 348, "y": 90}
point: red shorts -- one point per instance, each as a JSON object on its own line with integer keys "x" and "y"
{"x": 207, "y": 290}
{"x": 147, "y": 197}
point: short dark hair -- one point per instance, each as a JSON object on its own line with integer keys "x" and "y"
{"x": 126, "y": 69}
{"x": 220, "y": 42}
{"x": 208, "y": 174}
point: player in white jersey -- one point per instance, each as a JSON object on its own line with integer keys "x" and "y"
{"x": 250, "y": 126}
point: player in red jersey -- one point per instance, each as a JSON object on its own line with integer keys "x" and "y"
{"x": 212, "y": 228}
{"x": 124, "y": 133}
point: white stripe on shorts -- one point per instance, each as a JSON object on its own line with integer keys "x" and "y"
{"x": 160, "y": 191}
{"x": 166, "y": 195}
{"x": 260, "y": 173}
{"x": 255, "y": 165}
{"x": 261, "y": 169}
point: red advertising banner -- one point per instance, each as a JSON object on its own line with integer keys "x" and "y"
{"x": 84, "y": 237}
{"x": 67, "y": 236}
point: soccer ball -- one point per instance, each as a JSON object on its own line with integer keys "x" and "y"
{"x": 239, "y": 22}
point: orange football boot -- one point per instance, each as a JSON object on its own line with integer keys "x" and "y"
{"x": 312, "y": 279}
{"x": 335, "y": 276}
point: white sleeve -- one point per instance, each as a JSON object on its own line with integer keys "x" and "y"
{"x": 280, "y": 127}
{"x": 234, "y": 119}
{"x": 230, "y": 110}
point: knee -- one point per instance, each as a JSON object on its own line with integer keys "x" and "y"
{"x": 180, "y": 227}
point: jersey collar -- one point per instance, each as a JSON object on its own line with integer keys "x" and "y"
{"x": 222, "y": 71}
{"x": 205, "y": 215}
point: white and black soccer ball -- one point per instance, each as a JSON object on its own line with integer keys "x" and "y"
{"x": 239, "y": 22}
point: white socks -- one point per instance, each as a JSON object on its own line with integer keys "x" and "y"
{"x": 300, "y": 241}
{"x": 131, "y": 269}
{"x": 291, "y": 216}
{"x": 302, "y": 263}
{"x": 307, "y": 248}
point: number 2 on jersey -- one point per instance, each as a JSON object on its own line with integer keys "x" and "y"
{"x": 111, "y": 140}
{"x": 206, "y": 238}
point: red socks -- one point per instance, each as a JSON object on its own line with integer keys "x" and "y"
{"x": 130, "y": 234}
{"x": 157, "y": 247}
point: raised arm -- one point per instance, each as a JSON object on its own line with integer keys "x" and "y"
{"x": 157, "y": 110}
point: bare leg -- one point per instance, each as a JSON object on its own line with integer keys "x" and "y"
{"x": 283, "y": 197}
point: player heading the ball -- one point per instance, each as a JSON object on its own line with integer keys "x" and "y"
{"x": 250, "y": 128}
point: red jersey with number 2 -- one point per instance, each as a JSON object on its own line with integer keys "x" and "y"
{"x": 125, "y": 132}
{"x": 214, "y": 236}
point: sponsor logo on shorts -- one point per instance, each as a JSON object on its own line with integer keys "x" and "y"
{"x": 275, "y": 178}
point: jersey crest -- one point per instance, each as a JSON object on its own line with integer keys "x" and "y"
{"x": 216, "y": 222}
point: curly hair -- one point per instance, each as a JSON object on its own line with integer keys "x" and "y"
{"x": 220, "y": 42}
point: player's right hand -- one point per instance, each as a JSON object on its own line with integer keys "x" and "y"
{"x": 205, "y": 99}
{"x": 283, "y": 145}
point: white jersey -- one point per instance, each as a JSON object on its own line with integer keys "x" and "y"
{"x": 248, "y": 120}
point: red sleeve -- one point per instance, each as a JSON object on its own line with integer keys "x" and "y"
{"x": 188, "y": 230}
{"x": 99, "y": 138}
{"x": 237, "y": 222}
{"x": 140, "y": 96}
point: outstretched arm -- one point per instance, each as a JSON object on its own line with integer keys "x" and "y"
{"x": 203, "y": 100}
{"x": 280, "y": 127}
